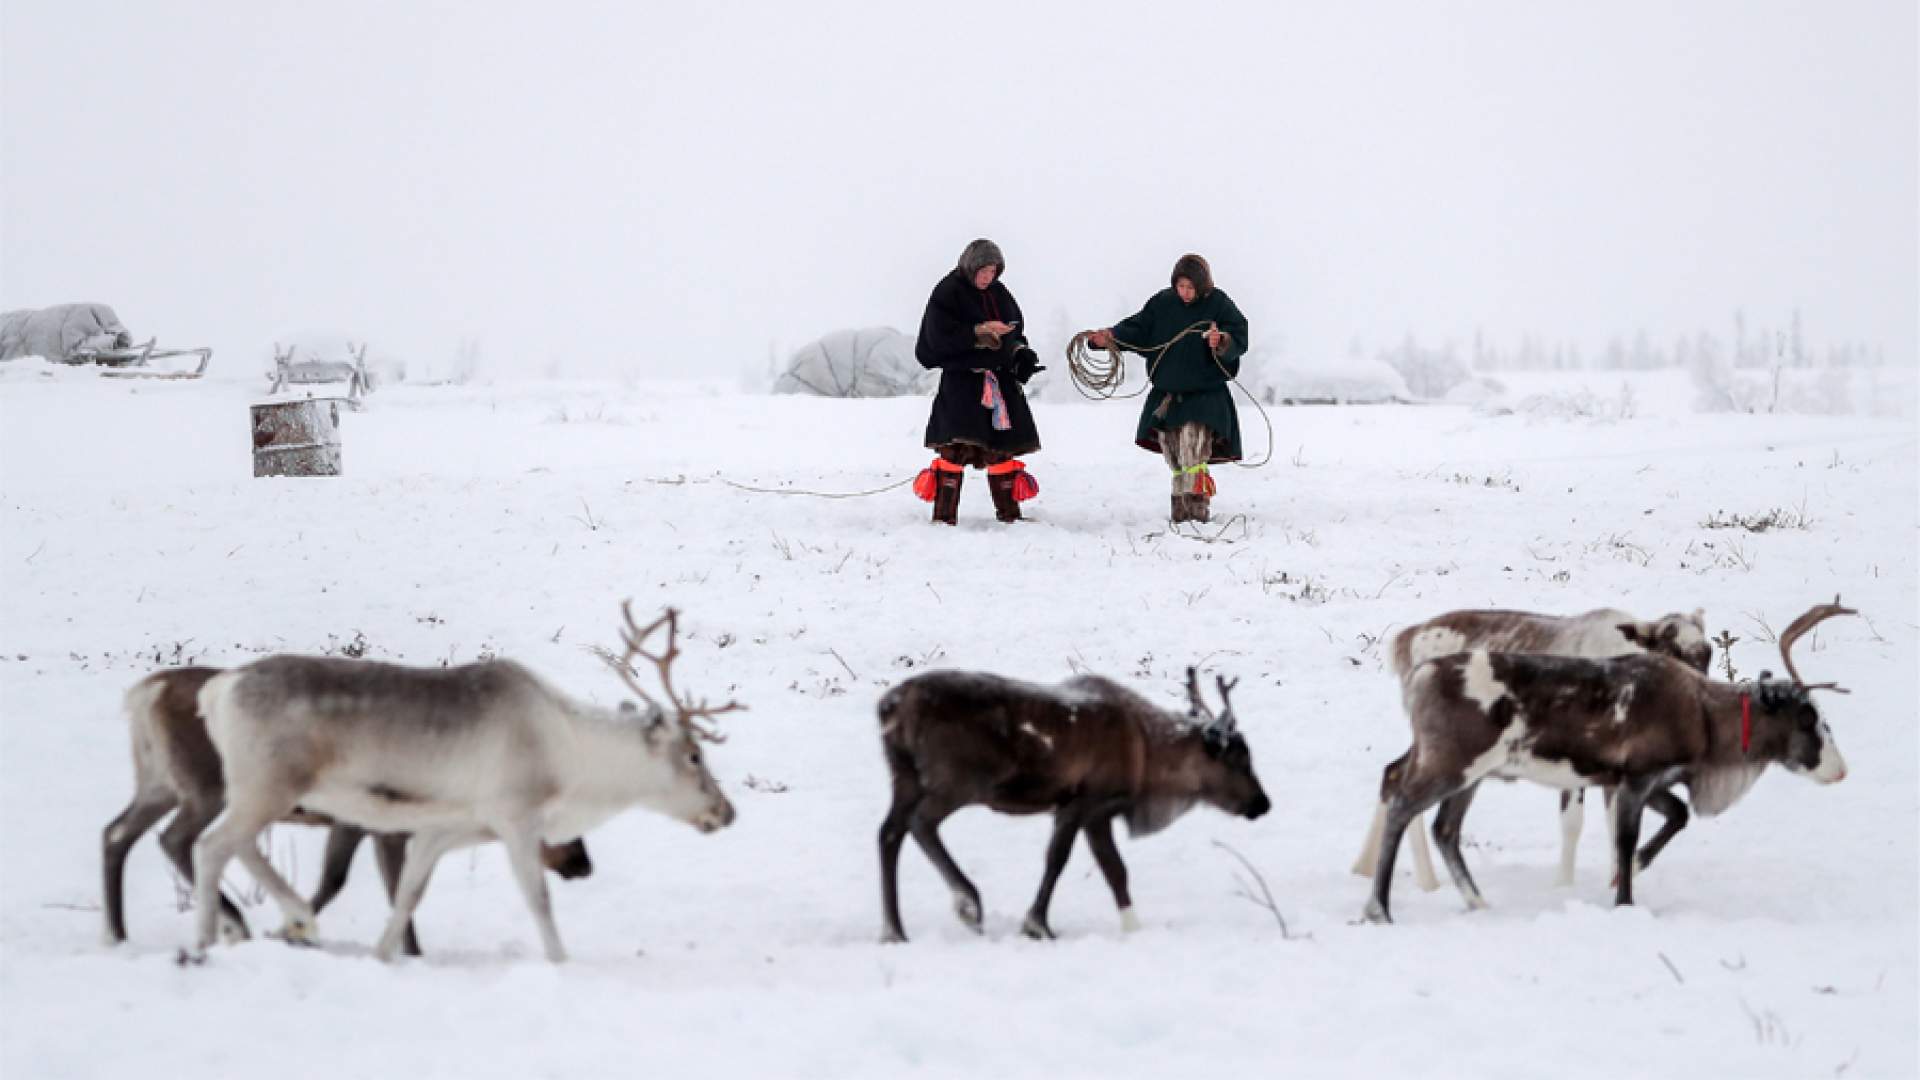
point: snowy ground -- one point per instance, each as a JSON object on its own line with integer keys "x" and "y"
{"x": 510, "y": 519}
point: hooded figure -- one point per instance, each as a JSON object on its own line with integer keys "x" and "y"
{"x": 971, "y": 334}
{"x": 1188, "y": 415}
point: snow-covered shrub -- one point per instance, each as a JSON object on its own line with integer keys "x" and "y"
{"x": 1581, "y": 404}
{"x": 873, "y": 362}
{"x": 1831, "y": 391}
{"x": 1429, "y": 372}
{"x": 1478, "y": 392}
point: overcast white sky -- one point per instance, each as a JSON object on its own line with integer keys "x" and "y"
{"x": 670, "y": 188}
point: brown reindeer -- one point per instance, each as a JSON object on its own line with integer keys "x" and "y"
{"x": 1636, "y": 723}
{"x": 1086, "y": 751}
{"x": 1597, "y": 634}
{"x": 177, "y": 769}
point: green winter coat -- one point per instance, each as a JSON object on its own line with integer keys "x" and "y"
{"x": 1189, "y": 386}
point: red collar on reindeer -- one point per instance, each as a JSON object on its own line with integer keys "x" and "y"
{"x": 1746, "y": 722}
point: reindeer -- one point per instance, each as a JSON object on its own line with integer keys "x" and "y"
{"x": 176, "y": 768}
{"x": 1637, "y": 723}
{"x": 1086, "y": 751}
{"x": 1597, "y": 634}
{"x": 454, "y": 756}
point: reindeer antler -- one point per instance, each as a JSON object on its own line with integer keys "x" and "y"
{"x": 1226, "y": 719}
{"x": 634, "y": 637}
{"x": 1813, "y": 617}
{"x": 1196, "y": 702}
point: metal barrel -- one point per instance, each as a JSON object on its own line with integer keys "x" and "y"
{"x": 297, "y": 438}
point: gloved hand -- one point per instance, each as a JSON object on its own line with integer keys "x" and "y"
{"x": 1026, "y": 364}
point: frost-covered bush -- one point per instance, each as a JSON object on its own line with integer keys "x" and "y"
{"x": 1581, "y": 404}
{"x": 1720, "y": 387}
{"x": 873, "y": 362}
{"x": 1428, "y": 372}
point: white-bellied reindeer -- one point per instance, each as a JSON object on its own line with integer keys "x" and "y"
{"x": 1087, "y": 751}
{"x": 1596, "y": 635}
{"x": 1636, "y": 723}
{"x": 453, "y": 756}
{"x": 177, "y": 771}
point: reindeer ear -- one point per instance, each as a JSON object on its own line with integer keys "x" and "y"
{"x": 1632, "y": 632}
{"x": 1699, "y": 619}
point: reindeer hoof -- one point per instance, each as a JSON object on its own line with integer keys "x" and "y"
{"x": 1476, "y": 903}
{"x": 1036, "y": 929}
{"x": 1376, "y": 913}
{"x": 1129, "y": 922}
{"x": 968, "y": 909}
{"x": 232, "y": 931}
{"x": 190, "y": 958}
{"x": 892, "y": 937}
{"x": 299, "y": 932}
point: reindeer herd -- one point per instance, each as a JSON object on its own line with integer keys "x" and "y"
{"x": 427, "y": 760}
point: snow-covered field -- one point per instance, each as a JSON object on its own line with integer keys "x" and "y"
{"x": 510, "y": 519}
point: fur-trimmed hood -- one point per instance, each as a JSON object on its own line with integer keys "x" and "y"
{"x": 1194, "y": 269}
{"x": 983, "y": 252}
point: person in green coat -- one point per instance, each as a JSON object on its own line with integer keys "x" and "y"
{"x": 1189, "y": 415}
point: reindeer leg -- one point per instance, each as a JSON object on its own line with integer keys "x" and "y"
{"x": 1628, "y": 801}
{"x": 1404, "y": 807}
{"x": 300, "y": 927}
{"x": 1446, "y": 833}
{"x": 1099, "y": 832}
{"x": 237, "y": 834}
{"x": 1423, "y": 874}
{"x": 925, "y": 826}
{"x": 1573, "y": 815}
{"x": 423, "y": 851}
{"x": 522, "y": 839}
{"x": 1675, "y": 811}
{"x": 146, "y": 808}
{"x": 177, "y": 841}
{"x": 893, "y": 833}
{"x": 1370, "y": 850}
{"x": 1609, "y": 795}
{"x": 1066, "y": 825}
{"x": 390, "y": 852}
{"x": 342, "y": 842}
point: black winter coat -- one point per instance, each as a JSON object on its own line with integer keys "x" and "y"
{"x": 1190, "y": 383}
{"x": 946, "y": 343}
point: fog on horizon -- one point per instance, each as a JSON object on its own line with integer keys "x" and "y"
{"x": 678, "y": 189}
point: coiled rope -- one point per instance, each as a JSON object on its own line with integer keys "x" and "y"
{"x": 1099, "y": 378}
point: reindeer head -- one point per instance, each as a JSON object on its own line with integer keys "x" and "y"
{"x": 1683, "y": 637}
{"x": 672, "y": 733}
{"x": 1225, "y": 766}
{"x": 1799, "y": 738}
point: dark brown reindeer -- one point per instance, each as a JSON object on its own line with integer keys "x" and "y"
{"x": 1636, "y": 723}
{"x": 177, "y": 769}
{"x": 1597, "y": 634}
{"x": 1086, "y": 751}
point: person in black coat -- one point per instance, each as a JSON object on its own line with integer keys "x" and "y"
{"x": 1188, "y": 414}
{"x": 971, "y": 332}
